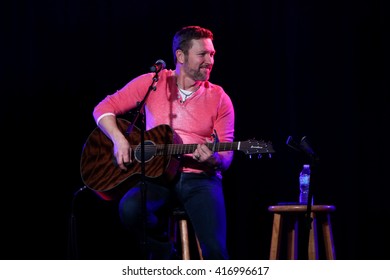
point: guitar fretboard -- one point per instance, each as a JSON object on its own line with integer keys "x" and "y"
{"x": 179, "y": 149}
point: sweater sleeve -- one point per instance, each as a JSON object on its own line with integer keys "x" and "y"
{"x": 125, "y": 99}
{"x": 224, "y": 126}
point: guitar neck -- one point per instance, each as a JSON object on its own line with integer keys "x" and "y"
{"x": 180, "y": 149}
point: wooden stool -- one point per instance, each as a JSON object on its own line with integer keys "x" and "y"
{"x": 180, "y": 218}
{"x": 292, "y": 214}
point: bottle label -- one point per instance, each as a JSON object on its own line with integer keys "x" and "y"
{"x": 304, "y": 180}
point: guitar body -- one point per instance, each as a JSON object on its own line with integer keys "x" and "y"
{"x": 100, "y": 172}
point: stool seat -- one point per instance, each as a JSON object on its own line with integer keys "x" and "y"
{"x": 301, "y": 208}
{"x": 289, "y": 215}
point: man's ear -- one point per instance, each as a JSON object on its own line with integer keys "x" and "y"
{"x": 179, "y": 56}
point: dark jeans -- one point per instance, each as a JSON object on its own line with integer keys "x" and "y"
{"x": 202, "y": 197}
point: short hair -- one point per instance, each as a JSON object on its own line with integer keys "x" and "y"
{"x": 183, "y": 37}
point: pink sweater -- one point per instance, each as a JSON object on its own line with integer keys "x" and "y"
{"x": 194, "y": 120}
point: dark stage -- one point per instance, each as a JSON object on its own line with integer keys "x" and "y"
{"x": 291, "y": 68}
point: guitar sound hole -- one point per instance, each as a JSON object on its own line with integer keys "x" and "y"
{"x": 150, "y": 151}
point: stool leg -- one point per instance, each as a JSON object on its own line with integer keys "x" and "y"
{"x": 185, "y": 245}
{"x": 199, "y": 248}
{"x": 276, "y": 237}
{"x": 313, "y": 240}
{"x": 328, "y": 239}
{"x": 292, "y": 238}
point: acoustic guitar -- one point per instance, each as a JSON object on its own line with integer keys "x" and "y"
{"x": 162, "y": 151}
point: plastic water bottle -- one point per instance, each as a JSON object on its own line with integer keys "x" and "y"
{"x": 304, "y": 184}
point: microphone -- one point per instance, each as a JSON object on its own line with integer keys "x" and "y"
{"x": 158, "y": 66}
{"x": 305, "y": 146}
{"x": 292, "y": 144}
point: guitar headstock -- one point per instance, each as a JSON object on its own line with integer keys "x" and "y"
{"x": 254, "y": 146}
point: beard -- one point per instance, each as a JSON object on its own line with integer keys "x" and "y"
{"x": 200, "y": 74}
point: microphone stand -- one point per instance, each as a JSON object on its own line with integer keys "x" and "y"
{"x": 138, "y": 111}
{"x": 305, "y": 149}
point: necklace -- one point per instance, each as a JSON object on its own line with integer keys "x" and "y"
{"x": 185, "y": 93}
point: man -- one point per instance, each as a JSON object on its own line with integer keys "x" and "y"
{"x": 195, "y": 109}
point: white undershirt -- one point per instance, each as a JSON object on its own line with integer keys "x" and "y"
{"x": 185, "y": 93}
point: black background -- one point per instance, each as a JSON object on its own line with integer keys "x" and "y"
{"x": 292, "y": 68}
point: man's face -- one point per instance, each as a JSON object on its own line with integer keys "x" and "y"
{"x": 200, "y": 60}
